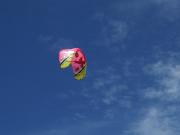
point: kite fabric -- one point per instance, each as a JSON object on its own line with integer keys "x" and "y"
{"x": 76, "y": 58}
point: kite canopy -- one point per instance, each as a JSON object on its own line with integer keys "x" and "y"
{"x": 76, "y": 58}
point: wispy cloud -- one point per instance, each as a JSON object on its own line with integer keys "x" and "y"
{"x": 63, "y": 43}
{"x": 55, "y": 43}
{"x": 106, "y": 88}
{"x": 161, "y": 116}
{"x": 113, "y": 32}
{"x": 168, "y": 9}
{"x": 156, "y": 121}
{"x": 167, "y": 79}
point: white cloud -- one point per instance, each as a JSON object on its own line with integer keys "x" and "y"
{"x": 161, "y": 117}
{"x": 167, "y": 78}
{"x": 113, "y": 33}
{"x": 109, "y": 114}
{"x": 106, "y": 88}
{"x": 105, "y": 79}
{"x": 118, "y": 30}
{"x": 63, "y": 43}
{"x": 113, "y": 94}
{"x": 168, "y": 9}
{"x": 156, "y": 121}
{"x": 56, "y": 43}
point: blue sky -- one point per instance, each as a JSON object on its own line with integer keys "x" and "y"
{"x": 133, "y": 77}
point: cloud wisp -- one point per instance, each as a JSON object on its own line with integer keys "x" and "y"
{"x": 56, "y": 43}
{"x": 156, "y": 121}
{"x": 113, "y": 32}
{"x": 106, "y": 89}
{"x": 167, "y": 9}
{"x": 167, "y": 77}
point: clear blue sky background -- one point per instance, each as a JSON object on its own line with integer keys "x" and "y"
{"x": 133, "y": 77}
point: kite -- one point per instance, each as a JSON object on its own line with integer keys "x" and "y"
{"x": 76, "y": 58}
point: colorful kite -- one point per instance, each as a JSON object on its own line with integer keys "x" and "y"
{"x": 76, "y": 58}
